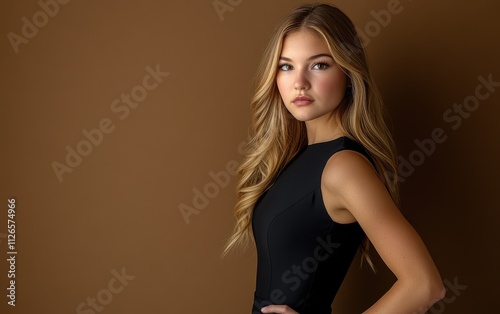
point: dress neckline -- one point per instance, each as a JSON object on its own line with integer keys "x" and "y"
{"x": 326, "y": 142}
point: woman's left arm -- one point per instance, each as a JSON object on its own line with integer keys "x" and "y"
{"x": 354, "y": 183}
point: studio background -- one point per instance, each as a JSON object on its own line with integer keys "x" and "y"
{"x": 101, "y": 231}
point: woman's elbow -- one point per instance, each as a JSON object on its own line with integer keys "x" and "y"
{"x": 435, "y": 291}
{"x": 426, "y": 291}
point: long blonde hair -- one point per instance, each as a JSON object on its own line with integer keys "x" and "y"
{"x": 276, "y": 137}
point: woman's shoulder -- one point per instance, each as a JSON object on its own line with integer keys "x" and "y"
{"x": 351, "y": 161}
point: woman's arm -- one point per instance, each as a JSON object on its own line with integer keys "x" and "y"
{"x": 351, "y": 180}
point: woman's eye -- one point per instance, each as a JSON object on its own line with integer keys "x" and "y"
{"x": 321, "y": 66}
{"x": 285, "y": 67}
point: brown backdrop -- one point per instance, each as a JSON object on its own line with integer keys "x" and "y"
{"x": 98, "y": 182}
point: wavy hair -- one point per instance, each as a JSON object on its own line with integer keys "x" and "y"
{"x": 276, "y": 137}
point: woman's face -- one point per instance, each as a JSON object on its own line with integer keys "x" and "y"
{"x": 311, "y": 84}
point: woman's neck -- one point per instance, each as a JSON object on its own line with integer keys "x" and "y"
{"x": 323, "y": 129}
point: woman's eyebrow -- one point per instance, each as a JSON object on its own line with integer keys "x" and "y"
{"x": 308, "y": 59}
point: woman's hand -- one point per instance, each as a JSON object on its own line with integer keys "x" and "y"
{"x": 285, "y": 309}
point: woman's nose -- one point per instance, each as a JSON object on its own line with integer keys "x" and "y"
{"x": 301, "y": 82}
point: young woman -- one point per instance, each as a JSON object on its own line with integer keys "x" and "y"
{"x": 318, "y": 181}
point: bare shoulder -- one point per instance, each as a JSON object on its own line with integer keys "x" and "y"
{"x": 347, "y": 166}
{"x": 349, "y": 176}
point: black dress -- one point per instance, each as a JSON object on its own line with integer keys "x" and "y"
{"x": 302, "y": 254}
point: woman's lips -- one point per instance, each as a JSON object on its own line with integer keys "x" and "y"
{"x": 302, "y": 101}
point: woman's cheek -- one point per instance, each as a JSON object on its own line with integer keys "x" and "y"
{"x": 281, "y": 86}
{"x": 331, "y": 87}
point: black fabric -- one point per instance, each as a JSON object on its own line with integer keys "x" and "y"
{"x": 302, "y": 254}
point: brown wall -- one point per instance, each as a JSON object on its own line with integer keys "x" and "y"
{"x": 118, "y": 210}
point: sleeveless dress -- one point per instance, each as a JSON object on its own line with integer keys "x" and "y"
{"x": 302, "y": 254}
